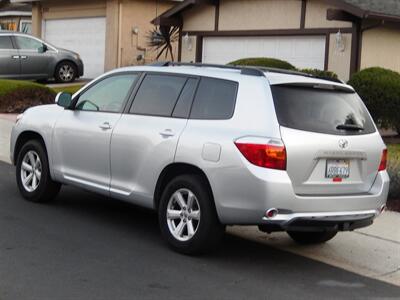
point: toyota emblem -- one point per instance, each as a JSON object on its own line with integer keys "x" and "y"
{"x": 343, "y": 144}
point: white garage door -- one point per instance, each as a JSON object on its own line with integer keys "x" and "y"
{"x": 86, "y": 36}
{"x": 300, "y": 51}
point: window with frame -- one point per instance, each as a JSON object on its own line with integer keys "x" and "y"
{"x": 26, "y": 43}
{"x": 158, "y": 95}
{"x": 108, "y": 95}
{"x": 215, "y": 99}
{"x": 6, "y": 43}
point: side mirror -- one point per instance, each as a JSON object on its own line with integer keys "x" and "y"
{"x": 64, "y": 99}
{"x": 43, "y": 49}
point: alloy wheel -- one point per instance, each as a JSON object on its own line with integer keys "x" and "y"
{"x": 66, "y": 73}
{"x": 183, "y": 215}
{"x": 31, "y": 171}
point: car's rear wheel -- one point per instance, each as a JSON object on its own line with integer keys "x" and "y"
{"x": 314, "y": 237}
{"x": 65, "y": 72}
{"x": 187, "y": 216}
{"x": 33, "y": 175}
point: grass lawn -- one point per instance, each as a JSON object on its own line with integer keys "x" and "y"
{"x": 68, "y": 89}
{"x": 9, "y": 86}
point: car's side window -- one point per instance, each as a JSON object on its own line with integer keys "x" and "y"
{"x": 215, "y": 99}
{"x": 108, "y": 95}
{"x": 158, "y": 94}
{"x": 26, "y": 43}
{"x": 6, "y": 43}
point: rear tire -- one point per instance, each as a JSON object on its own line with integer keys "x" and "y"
{"x": 66, "y": 72}
{"x": 314, "y": 237}
{"x": 33, "y": 175}
{"x": 187, "y": 216}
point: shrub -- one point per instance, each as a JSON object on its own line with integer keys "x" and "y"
{"x": 264, "y": 62}
{"x": 394, "y": 171}
{"x": 16, "y": 96}
{"x": 321, "y": 73}
{"x": 380, "y": 90}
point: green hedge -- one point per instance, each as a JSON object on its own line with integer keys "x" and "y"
{"x": 380, "y": 90}
{"x": 16, "y": 96}
{"x": 264, "y": 62}
{"x": 321, "y": 73}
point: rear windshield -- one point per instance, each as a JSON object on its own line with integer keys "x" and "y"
{"x": 320, "y": 110}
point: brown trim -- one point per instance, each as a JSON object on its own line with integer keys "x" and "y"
{"x": 308, "y": 31}
{"x": 180, "y": 45}
{"x": 199, "y": 48}
{"x": 303, "y": 14}
{"x": 327, "y": 45}
{"x": 216, "y": 27}
{"x": 339, "y": 15}
{"x": 355, "y": 45}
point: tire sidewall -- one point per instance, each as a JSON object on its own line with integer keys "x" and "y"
{"x": 37, "y": 194}
{"x": 208, "y": 218}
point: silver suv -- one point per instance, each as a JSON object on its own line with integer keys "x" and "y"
{"x": 209, "y": 146}
{"x": 23, "y": 56}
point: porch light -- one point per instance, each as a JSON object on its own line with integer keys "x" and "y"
{"x": 340, "y": 42}
{"x": 187, "y": 42}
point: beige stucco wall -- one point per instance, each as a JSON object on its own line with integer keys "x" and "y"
{"x": 138, "y": 14}
{"x": 339, "y": 61}
{"x": 112, "y": 29}
{"x": 316, "y": 16}
{"x": 201, "y": 18}
{"x": 36, "y": 19}
{"x": 189, "y": 50}
{"x": 381, "y": 47}
{"x": 259, "y": 14}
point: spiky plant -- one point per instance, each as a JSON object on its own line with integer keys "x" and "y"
{"x": 161, "y": 39}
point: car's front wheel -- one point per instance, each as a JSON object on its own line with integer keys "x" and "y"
{"x": 33, "y": 175}
{"x": 314, "y": 237}
{"x": 187, "y": 216}
{"x": 65, "y": 72}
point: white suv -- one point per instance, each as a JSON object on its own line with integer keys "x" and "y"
{"x": 209, "y": 146}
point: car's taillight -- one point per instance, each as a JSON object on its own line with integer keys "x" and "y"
{"x": 382, "y": 165}
{"x": 264, "y": 155}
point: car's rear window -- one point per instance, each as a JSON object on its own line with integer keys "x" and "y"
{"x": 321, "y": 110}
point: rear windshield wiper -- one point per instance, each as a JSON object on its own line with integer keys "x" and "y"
{"x": 353, "y": 127}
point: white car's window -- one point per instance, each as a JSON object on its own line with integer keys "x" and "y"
{"x": 108, "y": 95}
{"x": 5, "y": 43}
{"x": 26, "y": 43}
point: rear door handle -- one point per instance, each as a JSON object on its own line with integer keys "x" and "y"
{"x": 167, "y": 133}
{"x": 105, "y": 126}
{"x": 24, "y": 57}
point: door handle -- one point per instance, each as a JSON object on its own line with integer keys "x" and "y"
{"x": 15, "y": 56}
{"x": 105, "y": 126}
{"x": 24, "y": 57}
{"x": 167, "y": 133}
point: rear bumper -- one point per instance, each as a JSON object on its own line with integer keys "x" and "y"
{"x": 341, "y": 221}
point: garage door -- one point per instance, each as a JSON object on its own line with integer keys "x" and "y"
{"x": 85, "y": 36}
{"x": 300, "y": 51}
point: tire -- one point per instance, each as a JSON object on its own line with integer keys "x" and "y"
{"x": 309, "y": 238}
{"x": 66, "y": 72}
{"x": 205, "y": 231}
{"x": 44, "y": 189}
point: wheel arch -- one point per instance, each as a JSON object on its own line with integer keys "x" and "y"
{"x": 176, "y": 169}
{"x": 24, "y": 137}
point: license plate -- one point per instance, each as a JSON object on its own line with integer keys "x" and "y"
{"x": 337, "y": 168}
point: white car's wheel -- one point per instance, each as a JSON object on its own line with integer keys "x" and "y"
{"x": 32, "y": 172}
{"x": 187, "y": 216}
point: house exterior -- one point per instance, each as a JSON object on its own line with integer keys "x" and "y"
{"x": 342, "y": 36}
{"x": 15, "y": 16}
{"x": 106, "y": 33}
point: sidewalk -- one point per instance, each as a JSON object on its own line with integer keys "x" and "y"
{"x": 373, "y": 251}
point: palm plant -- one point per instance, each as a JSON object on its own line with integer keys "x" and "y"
{"x": 161, "y": 39}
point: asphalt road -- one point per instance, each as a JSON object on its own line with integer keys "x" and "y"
{"x": 84, "y": 246}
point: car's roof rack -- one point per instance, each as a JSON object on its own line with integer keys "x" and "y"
{"x": 245, "y": 70}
